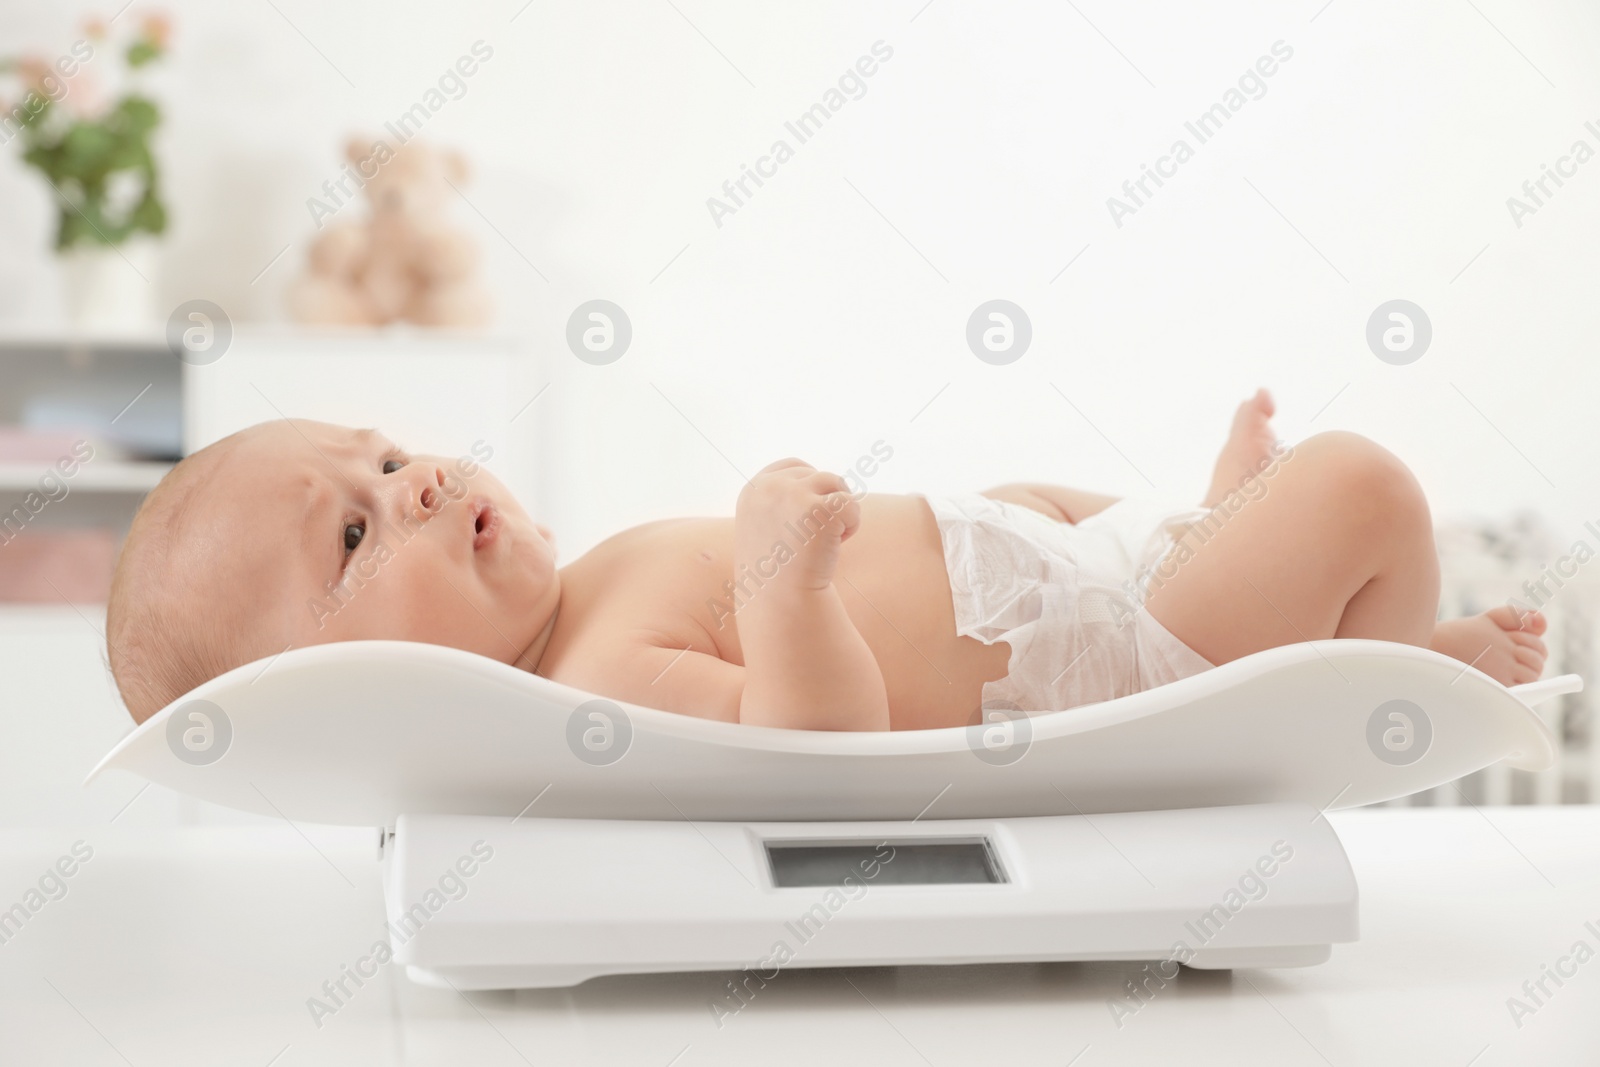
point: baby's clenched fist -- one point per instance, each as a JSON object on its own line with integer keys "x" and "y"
{"x": 791, "y": 520}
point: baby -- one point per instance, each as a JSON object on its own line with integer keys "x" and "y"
{"x": 812, "y": 607}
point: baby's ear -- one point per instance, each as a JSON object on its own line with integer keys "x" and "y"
{"x": 456, "y": 167}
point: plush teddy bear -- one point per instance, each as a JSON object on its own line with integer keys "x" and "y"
{"x": 404, "y": 262}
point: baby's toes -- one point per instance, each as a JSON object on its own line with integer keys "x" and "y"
{"x": 1529, "y": 662}
{"x": 1523, "y": 639}
{"x": 1522, "y": 675}
{"x": 1529, "y": 651}
{"x": 1253, "y": 412}
{"x": 1511, "y": 620}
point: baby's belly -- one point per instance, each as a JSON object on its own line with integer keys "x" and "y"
{"x": 892, "y": 582}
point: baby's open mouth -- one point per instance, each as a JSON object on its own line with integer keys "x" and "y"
{"x": 485, "y": 524}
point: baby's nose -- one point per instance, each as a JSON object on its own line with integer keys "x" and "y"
{"x": 427, "y": 486}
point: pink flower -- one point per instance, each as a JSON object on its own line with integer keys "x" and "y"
{"x": 157, "y": 29}
{"x": 32, "y": 71}
{"x": 84, "y": 99}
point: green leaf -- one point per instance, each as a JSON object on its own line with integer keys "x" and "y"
{"x": 80, "y": 157}
{"x": 87, "y": 150}
{"x": 140, "y": 113}
{"x": 32, "y": 109}
{"x": 149, "y": 216}
{"x": 142, "y": 52}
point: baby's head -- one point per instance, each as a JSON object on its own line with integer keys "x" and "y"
{"x": 296, "y": 533}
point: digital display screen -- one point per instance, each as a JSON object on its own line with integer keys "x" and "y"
{"x": 884, "y": 862}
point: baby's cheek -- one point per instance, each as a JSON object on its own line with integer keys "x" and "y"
{"x": 429, "y": 603}
{"x": 484, "y": 481}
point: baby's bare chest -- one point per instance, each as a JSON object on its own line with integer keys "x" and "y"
{"x": 680, "y": 579}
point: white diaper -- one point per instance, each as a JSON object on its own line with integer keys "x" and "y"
{"x": 1065, "y": 597}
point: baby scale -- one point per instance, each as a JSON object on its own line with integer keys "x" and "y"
{"x": 534, "y": 835}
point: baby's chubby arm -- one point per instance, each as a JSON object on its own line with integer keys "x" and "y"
{"x": 806, "y": 665}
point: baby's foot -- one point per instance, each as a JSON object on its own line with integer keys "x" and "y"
{"x": 1503, "y": 643}
{"x": 1250, "y": 447}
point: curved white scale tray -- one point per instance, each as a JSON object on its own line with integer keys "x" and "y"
{"x": 362, "y": 732}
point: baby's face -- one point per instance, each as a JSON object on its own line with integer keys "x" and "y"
{"x": 323, "y": 533}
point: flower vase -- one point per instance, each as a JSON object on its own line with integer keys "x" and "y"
{"x": 110, "y": 288}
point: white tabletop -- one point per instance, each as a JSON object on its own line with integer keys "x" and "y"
{"x": 203, "y": 946}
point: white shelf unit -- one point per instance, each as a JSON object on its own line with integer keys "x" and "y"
{"x": 122, "y": 392}
{"x": 135, "y": 476}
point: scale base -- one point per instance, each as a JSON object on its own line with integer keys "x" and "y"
{"x": 472, "y": 979}
{"x": 483, "y": 903}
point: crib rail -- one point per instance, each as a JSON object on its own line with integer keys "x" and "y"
{"x": 1524, "y": 570}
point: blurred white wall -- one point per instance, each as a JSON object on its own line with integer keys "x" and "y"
{"x": 831, "y": 308}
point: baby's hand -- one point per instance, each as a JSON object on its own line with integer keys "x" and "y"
{"x": 789, "y": 524}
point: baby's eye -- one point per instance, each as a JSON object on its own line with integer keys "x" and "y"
{"x": 353, "y": 533}
{"x": 392, "y": 465}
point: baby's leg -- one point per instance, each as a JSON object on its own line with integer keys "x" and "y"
{"x": 1339, "y": 545}
{"x": 1250, "y": 446}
